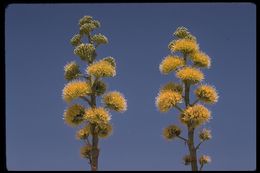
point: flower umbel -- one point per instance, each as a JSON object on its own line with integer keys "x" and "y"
{"x": 207, "y": 94}
{"x": 71, "y": 71}
{"x": 205, "y": 134}
{"x": 76, "y": 89}
{"x": 171, "y": 86}
{"x": 115, "y": 101}
{"x": 73, "y": 116}
{"x": 85, "y": 151}
{"x": 167, "y": 100}
{"x": 190, "y": 75}
{"x": 171, "y": 63}
{"x": 204, "y": 159}
{"x": 101, "y": 69}
{"x": 200, "y": 59}
{"x": 195, "y": 115}
{"x": 83, "y": 133}
{"x": 171, "y": 132}
{"x": 185, "y": 46}
{"x": 85, "y": 51}
{"x": 100, "y": 39}
{"x": 105, "y": 130}
{"x": 97, "y": 116}
{"x": 75, "y": 40}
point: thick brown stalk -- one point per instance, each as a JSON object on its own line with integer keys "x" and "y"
{"x": 192, "y": 149}
{"x": 193, "y": 154}
{"x": 95, "y": 149}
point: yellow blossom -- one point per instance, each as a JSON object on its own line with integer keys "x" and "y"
{"x": 71, "y": 71}
{"x": 97, "y": 116}
{"x": 83, "y": 133}
{"x": 115, "y": 101}
{"x": 85, "y": 151}
{"x": 105, "y": 130}
{"x": 73, "y": 116}
{"x": 205, "y": 134}
{"x": 171, "y": 63}
{"x": 184, "y": 45}
{"x": 201, "y": 59}
{"x": 207, "y": 94}
{"x": 171, "y": 132}
{"x": 76, "y": 89}
{"x": 171, "y": 86}
{"x": 167, "y": 100}
{"x": 190, "y": 75}
{"x": 101, "y": 69}
{"x": 195, "y": 115}
{"x": 204, "y": 159}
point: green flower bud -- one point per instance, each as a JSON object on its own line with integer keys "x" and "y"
{"x": 111, "y": 60}
{"x": 75, "y": 40}
{"x": 100, "y": 39}
{"x": 85, "y": 51}
{"x": 72, "y": 71}
{"x": 85, "y": 19}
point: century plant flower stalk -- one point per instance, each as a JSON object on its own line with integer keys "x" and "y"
{"x": 192, "y": 114}
{"x": 88, "y": 86}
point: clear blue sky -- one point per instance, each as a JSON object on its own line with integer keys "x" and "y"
{"x": 38, "y": 47}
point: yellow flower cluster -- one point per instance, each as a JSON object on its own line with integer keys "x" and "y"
{"x": 205, "y": 134}
{"x": 195, "y": 115}
{"x": 190, "y": 75}
{"x": 184, "y": 45}
{"x": 201, "y": 59}
{"x": 171, "y": 63}
{"x": 207, "y": 94}
{"x": 97, "y": 116}
{"x": 85, "y": 151}
{"x": 115, "y": 101}
{"x": 105, "y": 130}
{"x": 71, "y": 71}
{"x": 76, "y": 89}
{"x": 73, "y": 116}
{"x": 204, "y": 159}
{"x": 171, "y": 86}
{"x": 85, "y": 51}
{"x": 171, "y": 132}
{"x": 101, "y": 69}
{"x": 167, "y": 100}
{"x": 83, "y": 133}
{"x": 75, "y": 40}
{"x": 100, "y": 39}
